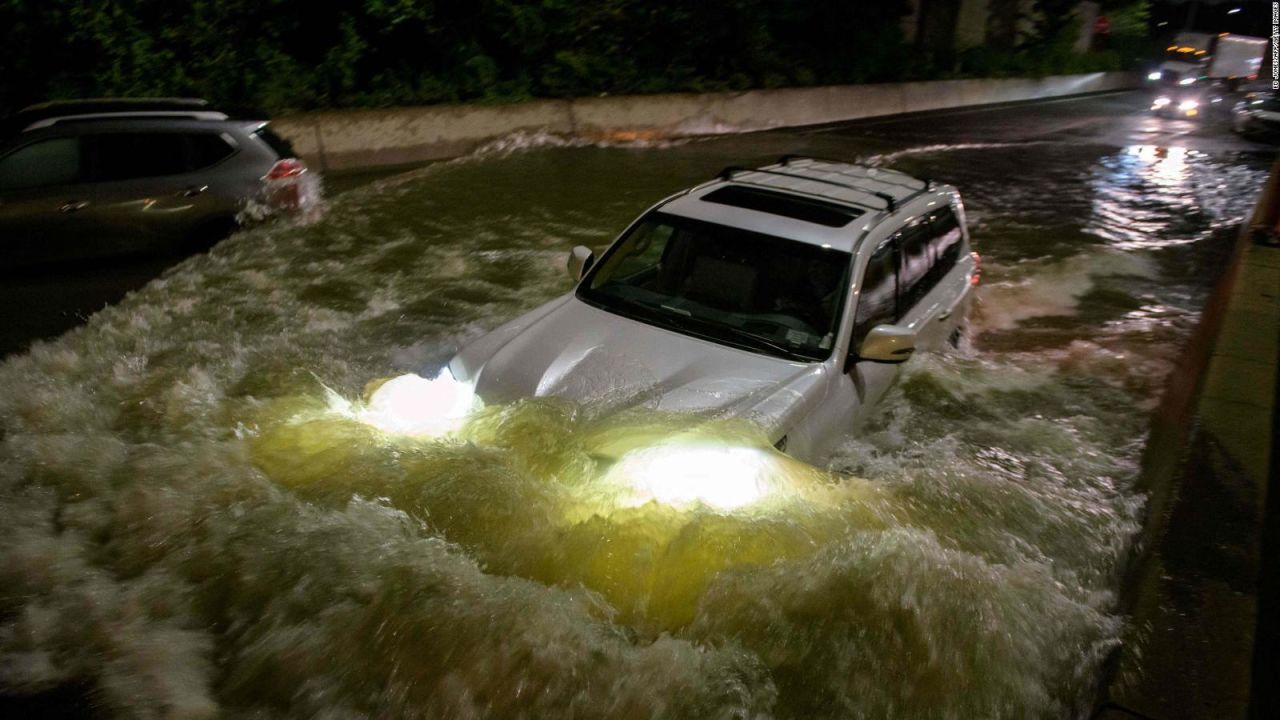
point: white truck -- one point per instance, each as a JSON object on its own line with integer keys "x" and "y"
{"x": 1196, "y": 57}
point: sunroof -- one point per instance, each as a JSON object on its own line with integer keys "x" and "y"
{"x": 785, "y": 204}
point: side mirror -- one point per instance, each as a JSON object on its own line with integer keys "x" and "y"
{"x": 580, "y": 259}
{"x": 888, "y": 344}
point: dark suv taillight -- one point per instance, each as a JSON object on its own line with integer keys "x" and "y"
{"x": 286, "y": 168}
{"x": 283, "y": 190}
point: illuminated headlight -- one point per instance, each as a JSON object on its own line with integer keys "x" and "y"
{"x": 724, "y": 478}
{"x": 413, "y": 405}
{"x": 1154, "y": 75}
{"x": 1187, "y": 81}
{"x": 1188, "y": 105}
{"x": 1160, "y": 102}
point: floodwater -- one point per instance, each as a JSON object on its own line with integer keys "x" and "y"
{"x": 191, "y": 530}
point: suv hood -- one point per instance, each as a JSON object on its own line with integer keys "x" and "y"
{"x": 570, "y": 349}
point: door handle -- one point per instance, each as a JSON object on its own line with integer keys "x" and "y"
{"x": 194, "y": 190}
{"x": 944, "y": 315}
{"x": 71, "y": 206}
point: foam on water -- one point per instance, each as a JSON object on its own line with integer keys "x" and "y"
{"x": 1045, "y": 288}
{"x": 190, "y": 530}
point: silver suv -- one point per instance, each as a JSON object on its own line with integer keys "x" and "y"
{"x": 95, "y": 178}
{"x": 789, "y": 295}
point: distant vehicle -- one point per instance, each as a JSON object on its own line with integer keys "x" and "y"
{"x": 1175, "y": 104}
{"x": 788, "y": 294}
{"x": 97, "y": 178}
{"x": 1196, "y": 57}
{"x": 1257, "y": 114}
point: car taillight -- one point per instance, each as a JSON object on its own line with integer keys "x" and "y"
{"x": 283, "y": 184}
{"x": 286, "y": 168}
{"x": 977, "y": 268}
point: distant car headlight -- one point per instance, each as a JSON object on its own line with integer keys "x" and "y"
{"x": 1154, "y": 75}
{"x": 1187, "y": 81}
{"x": 1160, "y": 102}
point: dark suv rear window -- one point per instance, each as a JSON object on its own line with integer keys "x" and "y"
{"x": 784, "y": 204}
{"x": 281, "y": 146}
{"x": 126, "y": 156}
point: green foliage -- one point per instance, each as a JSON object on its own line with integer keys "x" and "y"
{"x": 1130, "y": 19}
{"x": 287, "y": 55}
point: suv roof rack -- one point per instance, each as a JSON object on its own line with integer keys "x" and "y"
{"x": 895, "y": 177}
{"x": 892, "y": 189}
{"x": 50, "y": 113}
{"x": 100, "y": 104}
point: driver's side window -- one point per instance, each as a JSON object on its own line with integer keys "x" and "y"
{"x": 878, "y": 293}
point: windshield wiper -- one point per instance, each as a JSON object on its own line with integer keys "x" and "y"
{"x": 681, "y": 319}
{"x": 756, "y": 341}
{"x": 740, "y": 333}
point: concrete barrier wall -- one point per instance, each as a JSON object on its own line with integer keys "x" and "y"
{"x": 342, "y": 140}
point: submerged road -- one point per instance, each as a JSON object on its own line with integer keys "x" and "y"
{"x": 43, "y": 304}
{"x": 195, "y": 524}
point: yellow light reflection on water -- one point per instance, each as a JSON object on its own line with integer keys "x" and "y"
{"x": 640, "y": 508}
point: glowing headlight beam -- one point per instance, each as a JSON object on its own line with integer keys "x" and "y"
{"x": 415, "y": 406}
{"x": 724, "y": 478}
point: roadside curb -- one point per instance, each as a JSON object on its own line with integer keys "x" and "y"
{"x": 1193, "y": 589}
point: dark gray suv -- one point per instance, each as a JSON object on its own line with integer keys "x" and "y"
{"x": 96, "y": 178}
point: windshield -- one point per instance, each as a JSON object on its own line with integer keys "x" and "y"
{"x": 1185, "y": 54}
{"x": 740, "y": 288}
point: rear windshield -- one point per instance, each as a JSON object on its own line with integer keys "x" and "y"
{"x": 281, "y": 146}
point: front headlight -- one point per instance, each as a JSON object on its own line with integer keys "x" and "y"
{"x": 413, "y": 405}
{"x": 1154, "y": 75}
{"x": 685, "y": 475}
{"x": 1160, "y": 102}
{"x": 1187, "y": 105}
{"x": 1187, "y": 81}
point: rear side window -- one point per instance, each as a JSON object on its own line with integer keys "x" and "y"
{"x": 55, "y": 161}
{"x": 279, "y": 145}
{"x": 206, "y": 149}
{"x": 127, "y": 156}
{"x": 915, "y": 260}
{"x": 877, "y": 298}
{"x": 946, "y": 242}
